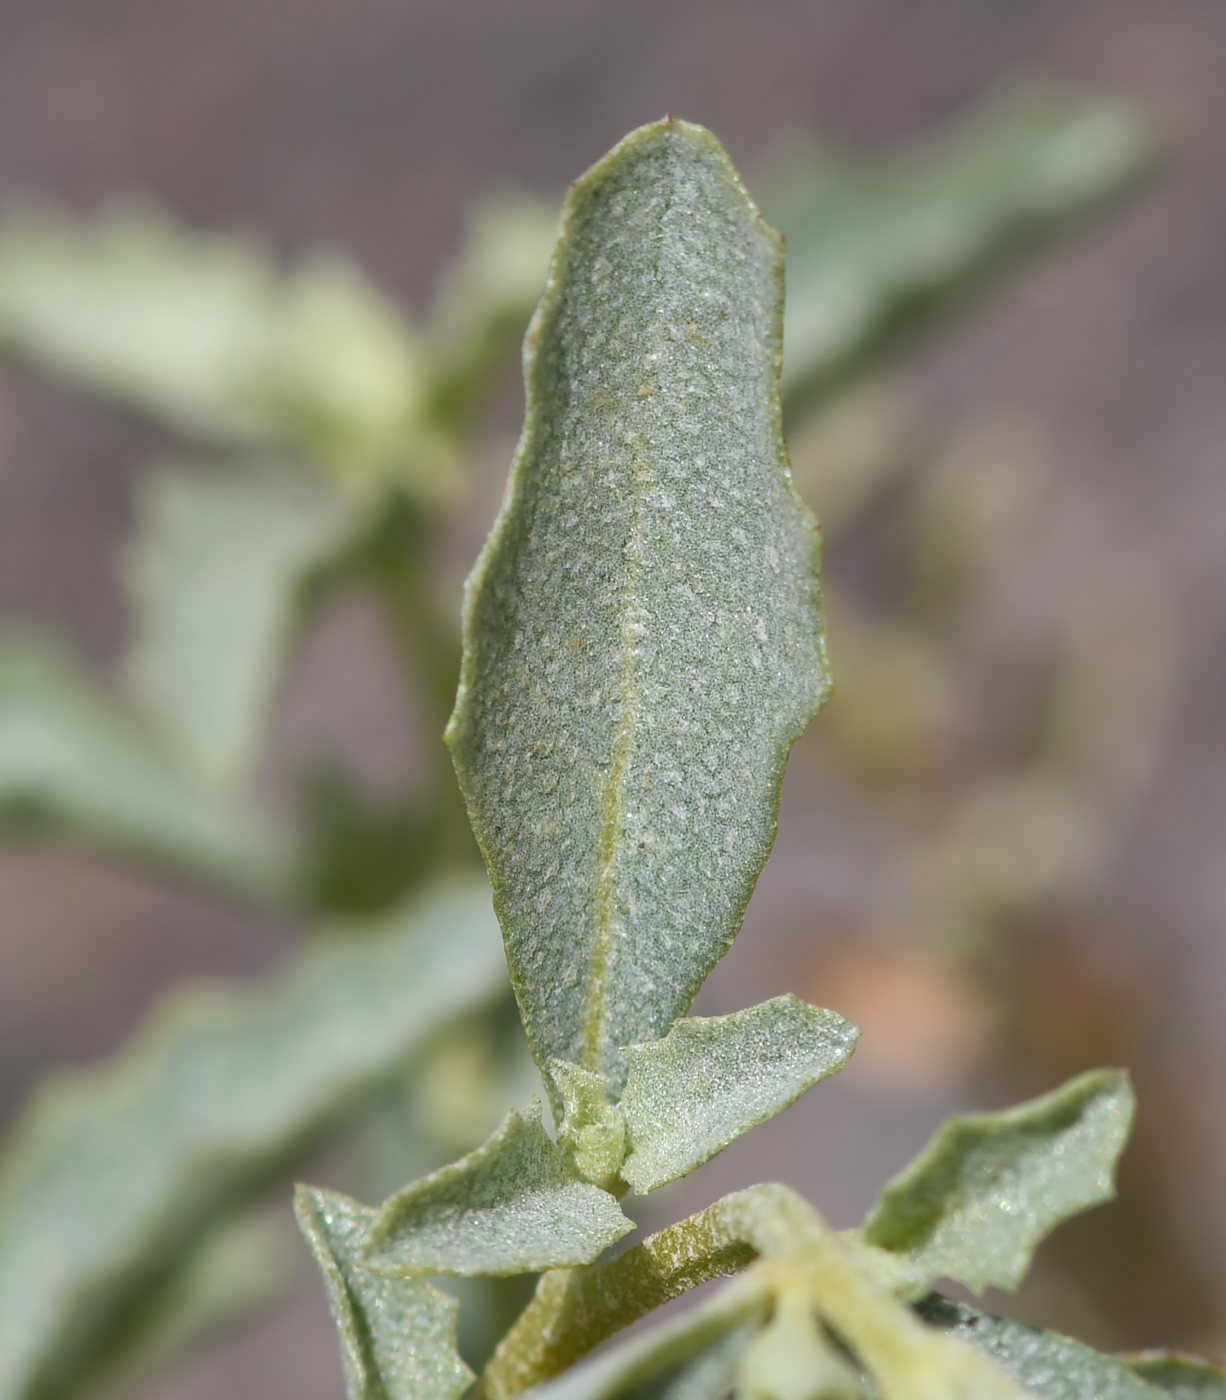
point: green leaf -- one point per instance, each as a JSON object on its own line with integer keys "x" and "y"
{"x": 1186, "y": 1377}
{"x": 484, "y": 301}
{"x": 1047, "y": 1364}
{"x": 874, "y": 243}
{"x": 592, "y": 1129}
{"x": 214, "y": 576}
{"x": 398, "y": 1335}
{"x": 713, "y": 1078}
{"x": 73, "y": 766}
{"x": 113, "y": 1172}
{"x": 514, "y": 1206}
{"x": 205, "y": 333}
{"x": 643, "y": 629}
{"x": 975, "y": 1203}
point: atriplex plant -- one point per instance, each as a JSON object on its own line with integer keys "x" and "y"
{"x": 340, "y": 437}
{"x": 643, "y": 642}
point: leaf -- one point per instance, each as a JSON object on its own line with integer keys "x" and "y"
{"x": 1187, "y": 1377}
{"x": 398, "y": 1335}
{"x": 73, "y": 766}
{"x": 113, "y": 1172}
{"x": 713, "y": 1078}
{"x": 665, "y": 1353}
{"x": 205, "y": 333}
{"x": 643, "y": 629}
{"x": 975, "y": 1203}
{"x": 1049, "y": 1365}
{"x": 792, "y": 1359}
{"x": 484, "y": 301}
{"x": 214, "y": 577}
{"x": 514, "y": 1206}
{"x": 592, "y": 1129}
{"x": 872, "y": 244}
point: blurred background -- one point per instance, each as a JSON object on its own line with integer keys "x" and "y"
{"x": 1001, "y": 847}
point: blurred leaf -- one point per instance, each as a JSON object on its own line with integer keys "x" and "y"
{"x": 73, "y": 766}
{"x": 643, "y": 634}
{"x": 514, "y": 1206}
{"x": 874, "y": 242}
{"x": 1047, "y": 1364}
{"x": 792, "y": 1359}
{"x": 204, "y": 332}
{"x": 1186, "y": 1377}
{"x": 974, "y": 1205}
{"x": 713, "y": 1078}
{"x": 398, "y": 1336}
{"x": 112, "y": 1173}
{"x": 485, "y": 299}
{"x": 215, "y": 575}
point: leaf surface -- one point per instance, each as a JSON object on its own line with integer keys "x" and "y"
{"x": 514, "y": 1206}
{"x": 872, "y": 244}
{"x": 73, "y": 766}
{"x": 398, "y": 1335}
{"x": 214, "y": 576}
{"x": 710, "y": 1079}
{"x": 975, "y": 1203}
{"x": 114, "y": 1171}
{"x": 1049, "y": 1365}
{"x": 643, "y": 629}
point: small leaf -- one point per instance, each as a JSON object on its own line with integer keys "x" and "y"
{"x": 484, "y": 300}
{"x": 398, "y": 1335}
{"x": 975, "y": 1203}
{"x": 114, "y": 1172}
{"x": 592, "y": 1129}
{"x": 1047, "y": 1364}
{"x": 1186, "y": 1377}
{"x": 874, "y": 244}
{"x": 713, "y": 1078}
{"x": 514, "y": 1206}
{"x": 73, "y": 766}
{"x": 214, "y": 576}
{"x": 643, "y": 630}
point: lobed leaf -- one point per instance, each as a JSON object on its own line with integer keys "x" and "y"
{"x": 872, "y": 244}
{"x": 974, "y": 1205}
{"x": 73, "y": 766}
{"x": 215, "y": 577}
{"x": 398, "y": 1335}
{"x": 643, "y": 629}
{"x": 1047, "y": 1364}
{"x": 113, "y": 1172}
{"x": 204, "y": 333}
{"x": 514, "y": 1206}
{"x": 710, "y": 1079}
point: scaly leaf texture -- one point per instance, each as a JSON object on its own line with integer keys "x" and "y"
{"x": 214, "y": 576}
{"x": 113, "y": 1172}
{"x": 1186, "y": 1377}
{"x": 203, "y": 332}
{"x": 398, "y": 1335}
{"x": 710, "y": 1079}
{"x": 977, "y": 1201}
{"x": 514, "y": 1206}
{"x": 1047, "y": 1364}
{"x": 643, "y": 636}
{"x": 74, "y": 767}
{"x": 871, "y": 244}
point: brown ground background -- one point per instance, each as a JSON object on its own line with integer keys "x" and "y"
{"x": 370, "y": 125}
